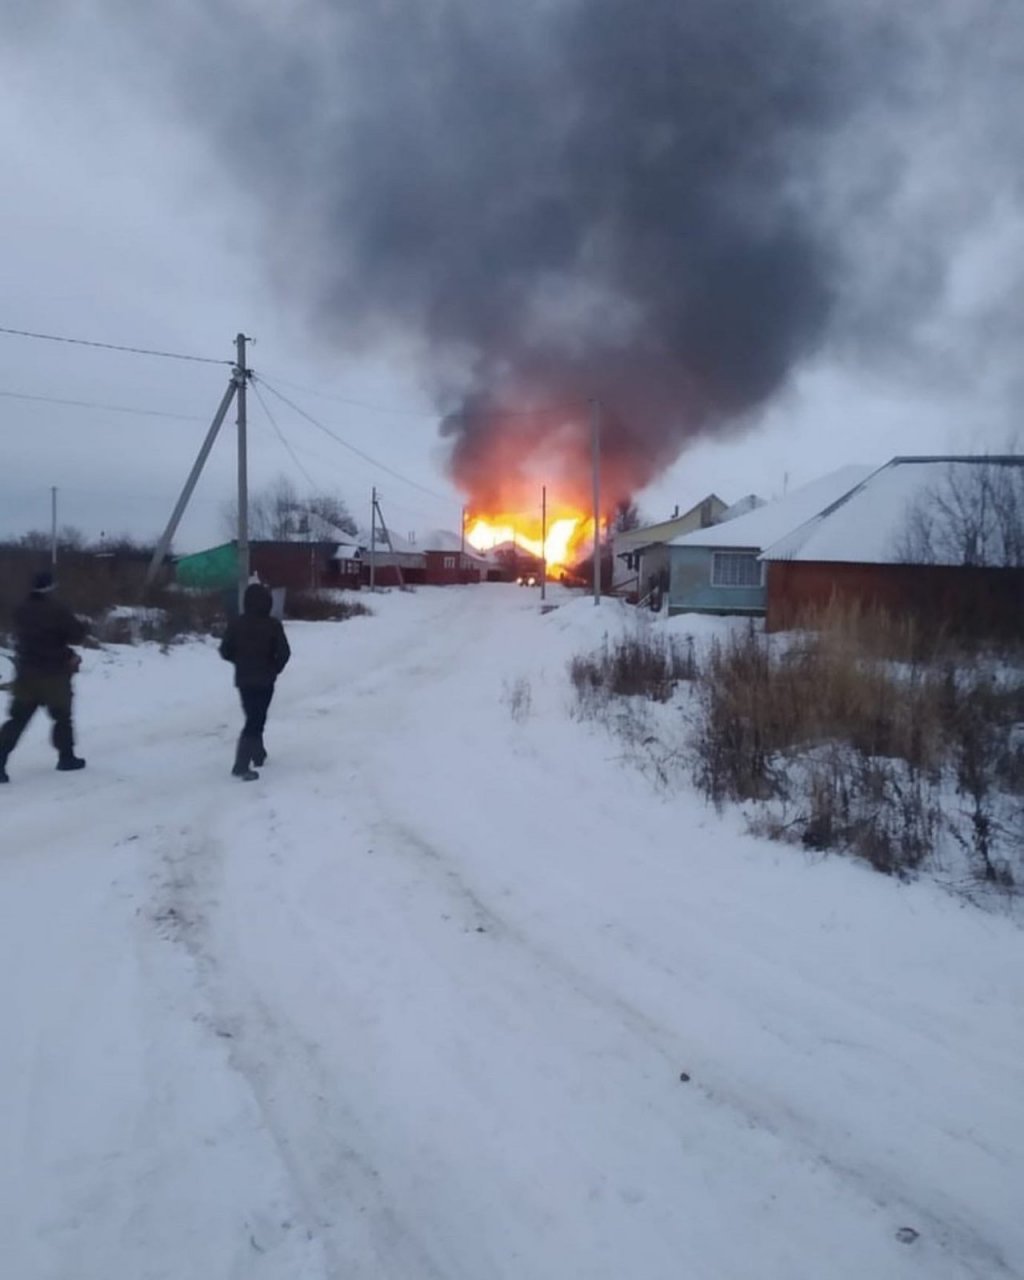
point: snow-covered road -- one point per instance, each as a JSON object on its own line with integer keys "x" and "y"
{"x": 419, "y": 1002}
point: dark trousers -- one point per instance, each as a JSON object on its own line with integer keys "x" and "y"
{"x": 31, "y": 693}
{"x": 255, "y": 704}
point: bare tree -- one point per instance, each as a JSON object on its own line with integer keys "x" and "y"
{"x": 279, "y": 513}
{"x": 974, "y": 515}
{"x": 68, "y": 539}
{"x": 333, "y": 511}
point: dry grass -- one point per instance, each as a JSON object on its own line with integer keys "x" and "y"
{"x": 644, "y": 665}
{"x": 322, "y": 606}
{"x": 860, "y": 725}
{"x": 857, "y": 733}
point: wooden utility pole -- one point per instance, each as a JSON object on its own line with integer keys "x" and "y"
{"x": 595, "y": 423}
{"x": 544, "y": 542}
{"x": 373, "y": 538}
{"x": 387, "y": 539}
{"x": 241, "y": 378}
{"x": 193, "y": 478}
{"x": 53, "y": 525}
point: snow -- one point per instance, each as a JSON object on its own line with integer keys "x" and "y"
{"x": 419, "y": 1002}
{"x": 769, "y": 523}
{"x": 869, "y": 524}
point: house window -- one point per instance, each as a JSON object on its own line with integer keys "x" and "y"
{"x": 736, "y": 569}
{"x": 449, "y": 562}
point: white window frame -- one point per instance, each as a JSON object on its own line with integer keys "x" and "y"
{"x": 721, "y": 557}
{"x": 449, "y": 562}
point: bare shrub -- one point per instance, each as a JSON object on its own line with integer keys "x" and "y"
{"x": 638, "y": 666}
{"x": 883, "y": 811}
{"x": 983, "y": 725}
{"x": 322, "y": 606}
{"x": 856, "y": 732}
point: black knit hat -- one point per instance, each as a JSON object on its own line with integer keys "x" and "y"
{"x": 42, "y": 582}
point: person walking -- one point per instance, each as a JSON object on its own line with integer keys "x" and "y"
{"x": 258, "y": 647}
{"x": 44, "y": 663}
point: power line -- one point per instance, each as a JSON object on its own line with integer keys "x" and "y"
{"x": 381, "y": 466}
{"x": 542, "y": 411}
{"x": 281, "y": 436}
{"x": 106, "y": 408}
{"x": 357, "y": 404}
{"x": 112, "y": 346}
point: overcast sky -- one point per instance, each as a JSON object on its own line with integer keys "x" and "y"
{"x": 124, "y": 220}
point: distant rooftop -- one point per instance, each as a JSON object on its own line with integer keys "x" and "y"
{"x": 871, "y": 524}
{"x": 769, "y": 523}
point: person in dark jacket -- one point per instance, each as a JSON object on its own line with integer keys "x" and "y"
{"x": 257, "y": 645}
{"x": 44, "y": 662}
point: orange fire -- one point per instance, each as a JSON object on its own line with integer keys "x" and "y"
{"x": 568, "y": 533}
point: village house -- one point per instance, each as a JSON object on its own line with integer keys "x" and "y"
{"x": 717, "y": 569}
{"x": 448, "y": 562}
{"x": 630, "y": 547}
{"x": 938, "y": 539}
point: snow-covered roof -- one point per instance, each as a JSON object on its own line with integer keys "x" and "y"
{"x": 347, "y": 551}
{"x": 400, "y": 544}
{"x": 741, "y": 508}
{"x": 664, "y": 530}
{"x": 766, "y": 525}
{"x": 441, "y": 540}
{"x": 448, "y": 542}
{"x": 873, "y": 524}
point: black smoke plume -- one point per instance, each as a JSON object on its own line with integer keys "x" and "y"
{"x": 665, "y": 206}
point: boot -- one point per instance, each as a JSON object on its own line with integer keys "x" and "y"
{"x": 243, "y": 759}
{"x": 69, "y": 763}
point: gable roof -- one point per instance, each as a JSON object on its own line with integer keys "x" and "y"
{"x": 633, "y": 539}
{"x": 448, "y": 542}
{"x": 870, "y": 524}
{"x": 443, "y": 540}
{"x": 765, "y": 526}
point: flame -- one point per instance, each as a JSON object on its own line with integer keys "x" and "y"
{"x": 566, "y": 533}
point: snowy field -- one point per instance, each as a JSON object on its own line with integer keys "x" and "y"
{"x": 453, "y": 993}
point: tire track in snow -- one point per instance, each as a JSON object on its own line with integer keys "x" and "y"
{"x": 954, "y": 1235}
{"x": 292, "y": 1084}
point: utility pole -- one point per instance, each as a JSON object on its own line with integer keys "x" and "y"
{"x": 53, "y": 525}
{"x": 373, "y": 538}
{"x": 595, "y": 422}
{"x": 462, "y": 548}
{"x": 241, "y": 379}
{"x": 543, "y": 542}
{"x": 190, "y": 484}
{"x": 387, "y": 540}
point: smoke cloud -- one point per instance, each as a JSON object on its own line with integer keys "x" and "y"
{"x": 666, "y": 207}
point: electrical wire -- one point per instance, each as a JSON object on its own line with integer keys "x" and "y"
{"x": 357, "y": 404}
{"x": 544, "y": 411}
{"x": 281, "y": 436}
{"x": 112, "y": 346}
{"x": 106, "y": 408}
{"x": 381, "y": 466}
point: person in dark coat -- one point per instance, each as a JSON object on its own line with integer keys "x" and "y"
{"x": 257, "y": 645}
{"x": 44, "y": 662}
